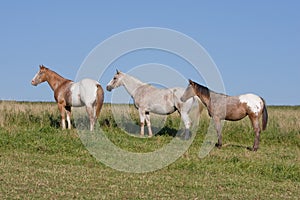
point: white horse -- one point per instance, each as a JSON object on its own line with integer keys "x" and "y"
{"x": 150, "y": 99}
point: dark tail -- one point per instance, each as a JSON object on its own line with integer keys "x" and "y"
{"x": 265, "y": 116}
{"x": 99, "y": 100}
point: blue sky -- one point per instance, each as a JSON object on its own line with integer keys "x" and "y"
{"x": 254, "y": 44}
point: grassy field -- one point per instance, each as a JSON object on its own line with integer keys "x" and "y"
{"x": 40, "y": 161}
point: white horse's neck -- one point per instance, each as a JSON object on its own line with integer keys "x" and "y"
{"x": 131, "y": 84}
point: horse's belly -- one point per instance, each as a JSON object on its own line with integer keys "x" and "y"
{"x": 161, "y": 109}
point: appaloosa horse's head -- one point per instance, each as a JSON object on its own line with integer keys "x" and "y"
{"x": 189, "y": 91}
{"x": 115, "y": 82}
{"x": 40, "y": 76}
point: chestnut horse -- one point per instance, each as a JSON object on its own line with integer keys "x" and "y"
{"x": 233, "y": 108}
{"x": 67, "y": 93}
{"x": 150, "y": 99}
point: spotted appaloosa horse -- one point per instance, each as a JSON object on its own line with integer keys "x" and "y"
{"x": 150, "y": 99}
{"x": 67, "y": 93}
{"x": 233, "y": 108}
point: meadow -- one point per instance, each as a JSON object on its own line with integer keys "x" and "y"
{"x": 38, "y": 160}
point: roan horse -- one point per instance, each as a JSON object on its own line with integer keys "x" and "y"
{"x": 233, "y": 108}
{"x": 150, "y": 99}
{"x": 67, "y": 93}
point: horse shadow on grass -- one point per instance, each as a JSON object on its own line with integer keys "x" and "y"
{"x": 134, "y": 129}
{"x": 237, "y": 146}
{"x": 54, "y": 121}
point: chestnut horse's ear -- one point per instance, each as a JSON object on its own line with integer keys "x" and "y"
{"x": 191, "y": 82}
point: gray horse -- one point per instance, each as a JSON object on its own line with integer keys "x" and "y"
{"x": 150, "y": 99}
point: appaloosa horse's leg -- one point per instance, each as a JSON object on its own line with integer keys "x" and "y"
{"x": 148, "y": 124}
{"x": 256, "y": 127}
{"x": 217, "y": 122}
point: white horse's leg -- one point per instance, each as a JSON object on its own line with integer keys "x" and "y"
{"x": 185, "y": 109}
{"x": 142, "y": 120}
{"x": 148, "y": 124}
{"x": 187, "y": 124}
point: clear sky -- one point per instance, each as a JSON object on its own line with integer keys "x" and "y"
{"x": 255, "y": 44}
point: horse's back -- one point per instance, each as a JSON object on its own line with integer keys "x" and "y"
{"x": 84, "y": 92}
{"x": 254, "y": 102}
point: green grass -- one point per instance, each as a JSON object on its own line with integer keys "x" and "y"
{"x": 40, "y": 161}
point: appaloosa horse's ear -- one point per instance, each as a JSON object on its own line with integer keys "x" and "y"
{"x": 118, "y": 72}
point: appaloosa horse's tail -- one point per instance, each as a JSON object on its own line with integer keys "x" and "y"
{"x": 99, "y": 99}
{"x": 265, "y": 116}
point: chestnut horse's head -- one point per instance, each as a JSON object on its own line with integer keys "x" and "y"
{"x": 40, "y": 76}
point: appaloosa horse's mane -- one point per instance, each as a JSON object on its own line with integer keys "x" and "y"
{"x": 205, "y": 92}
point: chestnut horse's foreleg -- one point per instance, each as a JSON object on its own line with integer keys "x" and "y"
{"x": 256, "y": 127}
{"x": 68, "y": 111}
{"x": 62, "y": 111}
{"x": 148, "y": 124}
{"x": 217, "y": 122}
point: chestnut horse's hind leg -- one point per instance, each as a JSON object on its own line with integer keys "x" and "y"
{"x": 256, "y": 127}
{"x": 62, "y": 111}
{"x": 91, "y": 113}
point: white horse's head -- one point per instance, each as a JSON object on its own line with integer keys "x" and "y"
{"x": 116, "y": 81}
{"x": 40, "y": 76}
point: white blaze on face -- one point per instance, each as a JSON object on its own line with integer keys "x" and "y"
{"x": 254, "y": 102}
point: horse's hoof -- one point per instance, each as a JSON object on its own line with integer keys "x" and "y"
{"x": 254, "y": 148}
{"x": 186, "y": 138}
{"x": 218, "y": 145}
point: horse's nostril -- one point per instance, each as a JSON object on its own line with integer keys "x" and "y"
{"x": 108, "y": 88}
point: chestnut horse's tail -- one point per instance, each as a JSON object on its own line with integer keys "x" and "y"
{"x": 99, "y": 99}
{"x": 265, "y": 116}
